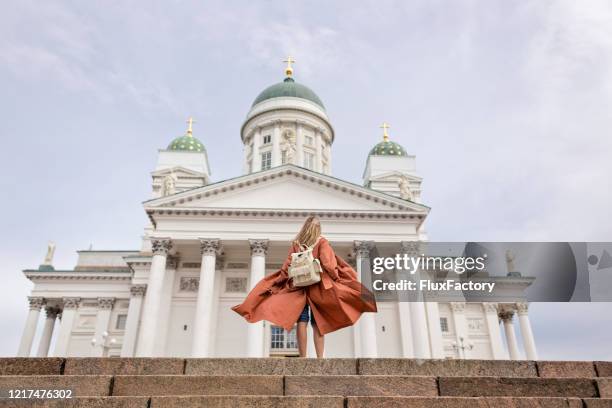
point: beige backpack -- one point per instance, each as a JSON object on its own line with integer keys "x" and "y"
{"x": 305, "y": 269}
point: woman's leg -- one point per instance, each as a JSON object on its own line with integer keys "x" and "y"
{"x": 302, "y": 337}
{"x": 319, "y": 341}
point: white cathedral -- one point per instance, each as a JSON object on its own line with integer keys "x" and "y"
{"x": 208, "y": 243}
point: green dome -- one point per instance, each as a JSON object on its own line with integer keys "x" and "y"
{"x": 288, "y": 88}
{"x": 186, "y": 143}
{"x": 388, "y": 148}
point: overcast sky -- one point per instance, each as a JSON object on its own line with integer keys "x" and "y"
{"x": 507, "y": 106}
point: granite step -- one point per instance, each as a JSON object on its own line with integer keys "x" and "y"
{"x": 517, "y": 387}
{"x": 250, "y": 401}
{"x": 353, "y": 385}
{"x": 160, "y": 385}
{"x": 79, "y": 402}
{"x": 476, "y": 402}
{"x": 271, "y": 366}
{"x": 91, "y": 385}
{"x": 296, "y": 366}
{"x": 361, "y": 385}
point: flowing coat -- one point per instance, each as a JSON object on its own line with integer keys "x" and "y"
{"x": 336, "y": 301}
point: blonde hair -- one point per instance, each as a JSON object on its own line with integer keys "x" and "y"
{"x": 310, "y": 232}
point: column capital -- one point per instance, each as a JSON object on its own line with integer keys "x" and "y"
{"x": 362, "y": 248}
{"x": 457, "y": 307}
{"x": 522, "y": 308}
{"x": 411, "y": 248}
{"x": 490, "y": 307}
{"x": 138, "y": 290}
{"x": 209, "y": 246}
{"x": 161, "y": 246}
{"x": 71, "y": 302}
{"x": 506, "y": 315}
{"x": 259, "y": 247}
{"x": 36, "y": 303}
{"x": 106, "y": 303}
{"x": 51, "y": 312}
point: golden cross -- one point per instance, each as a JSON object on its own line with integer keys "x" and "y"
{"x": 289, "y": 69}
{"x": 384, "y": 127}
{"x": 190, "y": 122}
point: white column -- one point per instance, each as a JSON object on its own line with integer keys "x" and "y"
{"x": 526, "y": 332}
{"x": 47, "y": 333}
{"x": 165, "y": 306}
{"x": 137, "y": 292}
{"x": 329, "y": 153}
{"x": 319, "y": 158}
{"x": 202, "y": 325}
{"x": 461, "y": 328}
{"x": 435, "y": 332}
{"x": 256, "y": 166}
{"x": 299, "y": 134}
{"x": 155, "y": 287}
{"x": 276, "y": 143}
{"x": 105, "y": 307}
{"x": 419, "y": 330}
{"x": 69, "y": 312}
{"x": 25, "y": 346}
{"x": 255, "y": 331}
{"x": 418, "y": 315}
{"x": 506, "y": 317}
{"x": 245, "y": 151}
{"x": 403, "y": 309}
{"x": 367, "y": 323}
{"x": 495, "y": 337}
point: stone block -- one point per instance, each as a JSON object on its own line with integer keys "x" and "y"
{"x": 81, "y": 385}
{"x": 31, "y": 366}
{"x": 360, "y": 385}
{"x": 161, "y": 385}
{"x": 80, "y": 402}
{"x": 124, "y": 366}
{"x": 517, "y": 387}
{"x": 447, "y": 368}
{"x": 605, "y": 387}
{"x": 248, "y": 402}
{"x": 597, "y": 402}
{"x": 604, "y": 368}
{"x": 271, "y": 366}
{"x": 566, "y": 369}
{"x": 462, "y": 402}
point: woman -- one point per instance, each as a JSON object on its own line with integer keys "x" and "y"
{"x": 335, "y": 302}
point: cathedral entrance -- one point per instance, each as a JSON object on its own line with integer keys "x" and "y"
{"x": 283, "y": 343}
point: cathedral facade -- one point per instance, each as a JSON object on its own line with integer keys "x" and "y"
{"x": 208, "y": 242}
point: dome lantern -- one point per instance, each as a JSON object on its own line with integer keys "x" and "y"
{"x": 387, "y": 147}
{"x": 289, "y": 88}
{"x": 187, "y": 142}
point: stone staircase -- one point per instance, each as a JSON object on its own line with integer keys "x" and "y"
{"x": 292, "y": 382}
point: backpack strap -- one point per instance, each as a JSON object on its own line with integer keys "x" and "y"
{"x": 303, "y": 247}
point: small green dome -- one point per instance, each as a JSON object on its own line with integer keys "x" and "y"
{"x": 186, "y": 143}
{"x": 388, "y": 148}
{"x": 288, "y": 88}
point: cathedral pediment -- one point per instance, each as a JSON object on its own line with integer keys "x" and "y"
{"x": 178, "y": 171}
{"x": 394, "y": 175}
{"x": 286, "y": 188}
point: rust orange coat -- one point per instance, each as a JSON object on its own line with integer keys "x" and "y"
{"x": 336, "y": 301}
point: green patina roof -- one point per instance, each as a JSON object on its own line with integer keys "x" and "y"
{"x": 388, "y": 148}
{"x": 186, "y": 143}
{"x": 288, "y": 88}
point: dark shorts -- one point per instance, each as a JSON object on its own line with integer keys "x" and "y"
{"x": 306, "y": 315}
